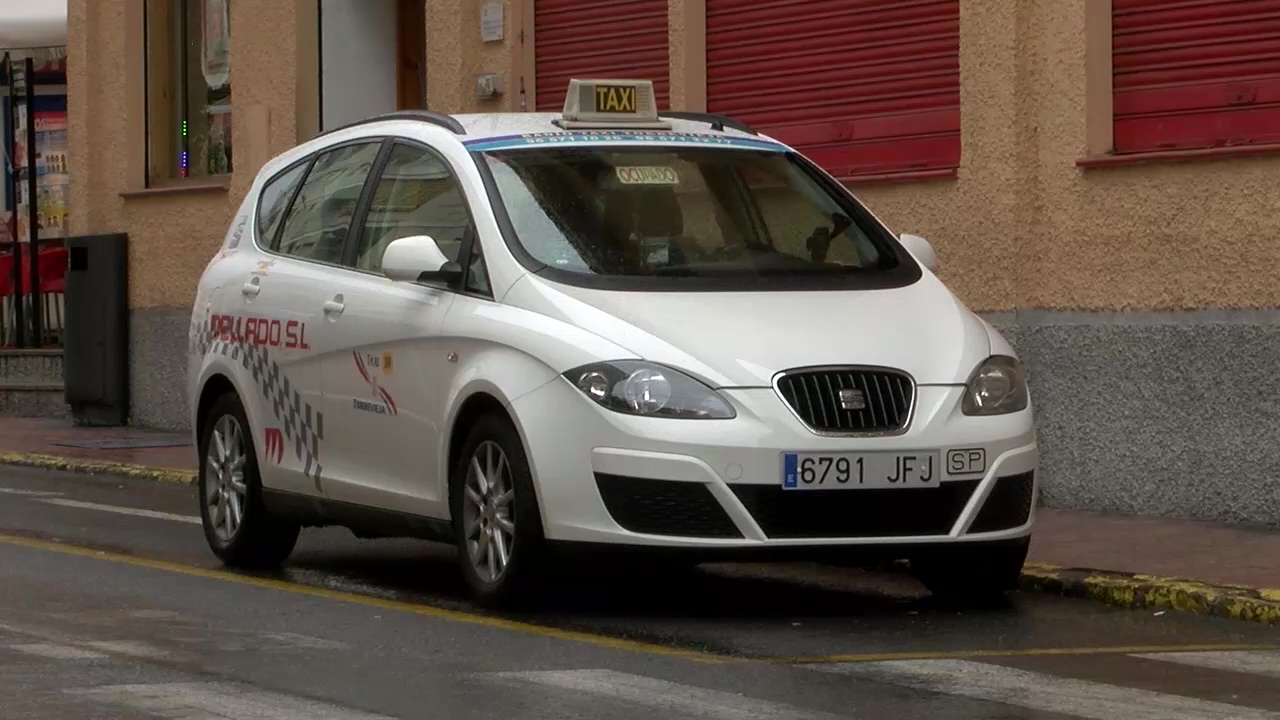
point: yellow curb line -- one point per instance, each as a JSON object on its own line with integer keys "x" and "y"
{"x": 488, "y": 621}
{"x": 97, "y": 467}
{"x": 1014, "y": 653}
{"x": 1138, "y": 591}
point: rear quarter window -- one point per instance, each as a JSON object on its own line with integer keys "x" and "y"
{"x": 274, "y": 200}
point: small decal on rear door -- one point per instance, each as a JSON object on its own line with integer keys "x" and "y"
{"x": 379, "y": 400}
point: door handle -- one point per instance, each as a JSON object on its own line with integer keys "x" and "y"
{"x": 334, "y": 307}
{"x": 251, "y": 288}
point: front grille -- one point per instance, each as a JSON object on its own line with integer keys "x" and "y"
{"x": 665, "y": 507}
{"x": 895, "y": 512}
{"x": 1008, "y": 506}
{"x": 814, "y": 395}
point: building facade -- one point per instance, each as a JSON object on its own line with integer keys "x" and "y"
{"x": 1097, "y": 176}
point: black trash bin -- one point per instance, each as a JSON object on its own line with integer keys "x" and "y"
{"x": 96, "y": 345}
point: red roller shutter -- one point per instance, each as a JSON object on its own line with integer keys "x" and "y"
{"x": 864, "y": 87}
{"x": 600, "y": 39}
{"x": 1195, "y": 73}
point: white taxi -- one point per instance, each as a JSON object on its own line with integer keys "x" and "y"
{"x": 523, "y": 333}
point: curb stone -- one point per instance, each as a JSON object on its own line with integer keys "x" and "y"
{"x": 1131, "y": 591}
{"x": 1136, "y": 591}
{"x": 97, "y": 467}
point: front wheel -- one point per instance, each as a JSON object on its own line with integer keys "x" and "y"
{"x": 498, "y": 530}
{"x": 238, "y": 527}
{"x": 977, "y": 574}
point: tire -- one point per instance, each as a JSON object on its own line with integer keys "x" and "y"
{"x": 972, "y": 575}
{"x": 260, "y": 541}
{"x": 517, "y": 520}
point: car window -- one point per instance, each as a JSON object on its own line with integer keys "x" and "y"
{"x": 274, "y": 199}
{"x": 415, "y": 195}
{"x": 692, "y": 213}
{"x": 320, "y": 218}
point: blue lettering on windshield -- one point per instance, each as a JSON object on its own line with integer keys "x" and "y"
{"x": 602, "y": 137}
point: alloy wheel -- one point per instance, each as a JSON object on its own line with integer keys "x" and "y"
{"x": 226, "y": 493}
{"x": 486, "y": 511}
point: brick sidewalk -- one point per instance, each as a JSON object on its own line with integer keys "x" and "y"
{"x": 57, "y": 437}
{"x": 1156, "y": 546}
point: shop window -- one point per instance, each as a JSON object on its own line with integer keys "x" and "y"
{"x": 189, "y": 99}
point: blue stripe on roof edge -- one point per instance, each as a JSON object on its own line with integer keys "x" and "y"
{"x": 623, "y": 136}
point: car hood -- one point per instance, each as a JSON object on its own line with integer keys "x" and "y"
{"x": 734, "y": 339}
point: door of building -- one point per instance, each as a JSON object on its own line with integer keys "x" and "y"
{"x": 864, "y": 87}
{"x": 411, "y": 55}
{"x": 594, "y": 39}
{"x": 372, "y": 58}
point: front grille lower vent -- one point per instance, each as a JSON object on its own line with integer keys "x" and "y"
{"x": 849, "y": 400}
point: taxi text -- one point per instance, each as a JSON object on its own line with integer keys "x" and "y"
{"x": 615, "y": 99}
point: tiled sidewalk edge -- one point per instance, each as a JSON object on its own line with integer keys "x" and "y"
{"x": 1125, "y": 590}
{"x": 1137, "y": 591}
{"x": 97, "y": 467}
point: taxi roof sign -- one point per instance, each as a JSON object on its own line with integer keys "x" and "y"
{"x": 611, "y": 103}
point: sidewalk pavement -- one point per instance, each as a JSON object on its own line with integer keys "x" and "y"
{"x": 1124, "y": 560}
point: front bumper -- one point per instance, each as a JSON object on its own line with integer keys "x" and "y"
{"x": 604, "y": 477}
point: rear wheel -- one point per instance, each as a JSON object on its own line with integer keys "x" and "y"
{"x": 497, "y": 526}
{"x": 977, "y": 574}
{"x": 238, "y": 527}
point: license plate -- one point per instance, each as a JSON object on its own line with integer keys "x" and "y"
{"x": 860, "y": 471}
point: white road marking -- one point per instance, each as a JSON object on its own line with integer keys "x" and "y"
{"x": 51, "y": 651}
{"x": 662, "y": 695}
{"x": 217, "y": 700}
{"x": 1038, "y": 691}
{"x": 29, "y": 493}
{"x": 1261, "y": 662}
{"x": 190, "y": 519}
{"x": 304, "y": 641}
{"x": 128, "y": 647}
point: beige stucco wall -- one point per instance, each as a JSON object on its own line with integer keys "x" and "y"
{"x": 1023, "y": 226}
{"x": 1020, "y": 226}
{"x": 456, "y": 54}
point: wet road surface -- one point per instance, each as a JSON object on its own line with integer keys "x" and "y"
{"x": 111, "y": 606}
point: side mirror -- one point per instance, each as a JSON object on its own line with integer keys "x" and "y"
{"x": 921, "y": 250}
{"x": 417, "y": 258}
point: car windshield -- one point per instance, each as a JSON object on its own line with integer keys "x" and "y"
{"x": 681, "y": 212}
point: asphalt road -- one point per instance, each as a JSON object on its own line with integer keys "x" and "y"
{"x": 111, "y": 607}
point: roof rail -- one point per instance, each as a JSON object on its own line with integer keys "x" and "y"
{"x": 448, "y": 122}
{"x": 717, "y": 122}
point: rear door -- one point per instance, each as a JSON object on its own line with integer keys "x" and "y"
{"x": 290, "y": 297}
{"x": 388, "y": 385}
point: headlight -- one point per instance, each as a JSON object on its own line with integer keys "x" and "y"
{"x": 998, "y": 386}
{"x": 636, "y": 387}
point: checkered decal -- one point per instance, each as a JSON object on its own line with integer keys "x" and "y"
{"x": 302, "y": 425}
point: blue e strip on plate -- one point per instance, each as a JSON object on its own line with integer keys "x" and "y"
{"x": 790, "y": 476}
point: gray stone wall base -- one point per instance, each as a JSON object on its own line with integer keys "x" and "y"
{"x": 158, "y": 368}
{"x": 1157, "y": 414}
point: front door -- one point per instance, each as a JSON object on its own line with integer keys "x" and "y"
{"x": 389, "y": 387}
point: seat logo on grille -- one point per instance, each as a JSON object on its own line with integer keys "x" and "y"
{"x": 852, "y": 400}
